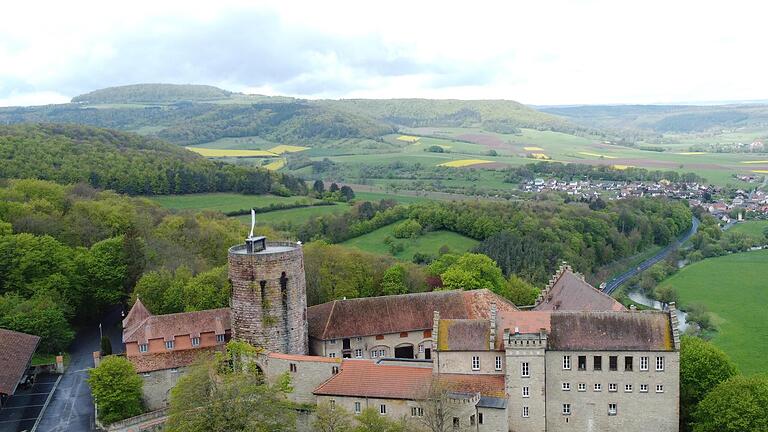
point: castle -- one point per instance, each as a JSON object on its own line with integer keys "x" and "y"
{"x": 576, "y": 360}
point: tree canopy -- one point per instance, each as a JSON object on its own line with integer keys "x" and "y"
{"x": 116, "y": 388}
{"x": 735, "y": 405}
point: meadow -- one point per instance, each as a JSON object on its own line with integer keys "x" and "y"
{"x": 734, "y": 290}
{"x": 427, "y": 243}
{"x": 754, "y": 229}
{"x": 224, "y": 202}
{"x": 296, "y": 216}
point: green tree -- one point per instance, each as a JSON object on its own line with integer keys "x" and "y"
{"x": 474, "y": 271}
{"x": 393, "y": 281}
{"x": 735, "y": 405}
{"x": 702, "y": 367}
{"x": 105, "y": 268}
{"x": 106, "y": 346}
{"x": 371, "y": 421}
{"x": 347, "y": 193}
{"x": 330, "y": 418}
{"x": 408, "y": 229}
{"x": 520, "y": 292}
{"x": 42, "y": 315}
{"x": 319, "y": 187}
{"x": 116, "y": 389}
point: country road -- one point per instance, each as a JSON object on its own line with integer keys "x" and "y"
{"x": 619, "y": 280}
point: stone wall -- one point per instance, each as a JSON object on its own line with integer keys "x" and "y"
{"x": 460, "y": 362}
{"x": 530, "y": 349}
{"x": 157, "y": 387}
{"x": 306, "y": 375}
{"x": 263, "y": 313}
{"x": 636, "y": 411}
{"x": 388, "y": 342}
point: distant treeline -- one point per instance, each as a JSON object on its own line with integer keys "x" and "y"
{"x": 126, "y": 163}
{"x": 574, "y": 171}
{"x": 278, "y": 206}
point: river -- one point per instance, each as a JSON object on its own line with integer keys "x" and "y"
{"x": 640, "y": 298}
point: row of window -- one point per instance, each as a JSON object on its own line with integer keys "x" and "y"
{"x": 612, "y": 409}
{"x": 612, "y": 387}
{"x": 426, "y": 334}
{"x": 171, "y": 344}
{"x": 415, "y": 412}
{"x": 613, "y": 363}
{"x": 476, "y": 363}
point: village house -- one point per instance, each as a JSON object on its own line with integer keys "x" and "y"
{"x": 16, "y": 351}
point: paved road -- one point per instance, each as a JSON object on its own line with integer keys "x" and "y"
{"x": 71, "y": 408}
{"x": 619, "y": 280}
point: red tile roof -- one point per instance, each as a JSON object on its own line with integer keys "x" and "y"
{"x": 570, "y": 292}
{"x": 400, "y": 313}
{"x": 486, "y": 385}
{"x": 365, "y": 378}
{"x": 611, "y": 331}
{"x": 16, "y": 350}
{"x": 168, "y": 326}
{"x": 303, "y": 358}
{"x": 151, "y": 362}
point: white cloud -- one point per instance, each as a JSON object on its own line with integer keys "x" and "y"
{"x": 553, "y": 52}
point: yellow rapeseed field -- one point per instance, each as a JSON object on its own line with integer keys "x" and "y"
{"x": 533, "y": 149}
{"x": 756, "y": 162}
{"x": 598, "y": 155}
{"x": 276, "y": 165}
{"x": 464, "y": 163}
{"x": 282, "y": 148}
{"x": 621, "y": 167}
{"x": 540, "y": 156}
{"x": 760, "y": 171}
{"x": 408, "y": 138}
{"x": 207, "y": 152}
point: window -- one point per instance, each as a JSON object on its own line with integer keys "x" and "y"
{"x": 220, "y": 338}
{"x": 628, "y": 364}
{"x": 597, "y": 362}
{"x": 526, "y": 413}
{"x": 582, "y": 363}
{"x": 332, "y": 355}
{"x": 421, "y": 348}
{"x": 524, "y": 370}
{"x": 567, "y": 362}
{"x": 475, "y": 363}
{"x": 334, "y": 370}
{"x": 566, "y": 409}
{"x": 498, "y": 363}
{"x": 382, "y": 409}
{"x": 332, "y": 404}
{"x": 611, "y": 409}
{"x": 643, "y": 388}
{"x": 374, "y": 353}
{"x": 332, "y": 342}
{"x": 382, "y": 353}
{"x": 582, "y": 386}
{"x": 403, "y": 334}
{"x": 613, "y": 363}
{"x": 292, "y": 367}
{"x": 143, "y": 347}
{"x": 357, "y": 408}
{"x": 146, "y": 374}
{"x": 195, "y": 341}
{"x": 628, "y": 388}
{"x": 472, "y": 420}
{"x": 643, "y": 363}
{"x": 456, "y": 422}
{"x": 174, "y": 370}
{"x": 358, "y": 339}
{"x": 479, "y": 418}
{"x": 168, "y": 344}
{"x": 612, "y": 387}
{"x": 417, "y": 412}
{"x": 379, "y": 337}
{"x": 427, "y": 333}
{"x": 659, "y": 364}
{"x": 358, "y": 353}
{"x": 659, "y": 388}
{"x": 526, "y": 391}
{"x": 566, "y": 386}
{"x": 598, "y": 387}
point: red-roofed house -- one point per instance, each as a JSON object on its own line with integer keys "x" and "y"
{"x": 16, "y": 350}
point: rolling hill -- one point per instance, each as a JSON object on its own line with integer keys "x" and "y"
{"x": 152, "y": 94}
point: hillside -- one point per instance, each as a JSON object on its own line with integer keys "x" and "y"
{"x": 152, "y": 94}
{"x": 124, "y": 162}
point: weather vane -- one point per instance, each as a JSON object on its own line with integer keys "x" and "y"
{"x": 253, "y": 222}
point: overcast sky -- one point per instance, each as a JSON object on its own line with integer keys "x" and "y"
{"x": 534, "y": 51}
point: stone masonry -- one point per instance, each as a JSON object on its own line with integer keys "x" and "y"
{"x": 268, "y": 300}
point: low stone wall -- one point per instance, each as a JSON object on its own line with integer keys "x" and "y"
{"x": 147, "y": 422}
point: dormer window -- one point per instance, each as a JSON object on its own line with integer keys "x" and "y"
{"x": 169, "y": 345}
{"x": 195, "y": 341}
{"x": 143, "y": 348}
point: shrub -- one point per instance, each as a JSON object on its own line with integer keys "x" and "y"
{"x": 408, "y": 229}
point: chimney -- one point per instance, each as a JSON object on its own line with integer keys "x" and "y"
{"x": 492, "y": 318}
{"x": 435, "y": 326}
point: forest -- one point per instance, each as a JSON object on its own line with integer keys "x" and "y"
{"x": 126, "y": 163}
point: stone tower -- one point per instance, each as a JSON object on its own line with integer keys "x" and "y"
{"x": 269, "y": 300}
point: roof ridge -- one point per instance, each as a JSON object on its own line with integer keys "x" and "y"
{"x": 190, "y": 312}
{"x": 135, "y": 328}
{"x": 328, "y": 321}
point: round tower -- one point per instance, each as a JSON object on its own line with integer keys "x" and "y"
{"x": 269, "y": 295}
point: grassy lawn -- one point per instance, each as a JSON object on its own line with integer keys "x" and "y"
{"x": 223, "y": 201}
{"x": 295, "y": 216}
{"x": 734, "y": 289}
{"x": 751, "y": 228}
{"x": 377, "y": 196}
{"x": 46, "y": 359}
{"x": 428, "y": 243}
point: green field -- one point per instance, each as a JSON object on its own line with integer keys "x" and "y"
{"x": 428, "y": 243}
{"x": 753, "y": 229}
{"x": 223, "y": 202}
{"x": 377, "y": 196}
{"x": 295, "y": 216}
{"x": 734, "y": 289}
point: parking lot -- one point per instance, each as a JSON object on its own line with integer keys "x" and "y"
{"x": 23, "y": 408}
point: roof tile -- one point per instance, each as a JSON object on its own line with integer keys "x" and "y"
{"x": 16, "y": 350}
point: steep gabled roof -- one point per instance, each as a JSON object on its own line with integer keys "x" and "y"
{"x": 571, "y": 292}
{"x": 399, "y": 313}
{"x": 168, "y": 326}
{"x": 611, "y": 331}
{"x": 16, "y": 350}
{"x": 366, "y": 378}
{"x": 463, "y": 335}
{"x": 136, "y": 316}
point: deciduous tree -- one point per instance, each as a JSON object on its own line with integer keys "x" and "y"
{"x": 116, "y": 389}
